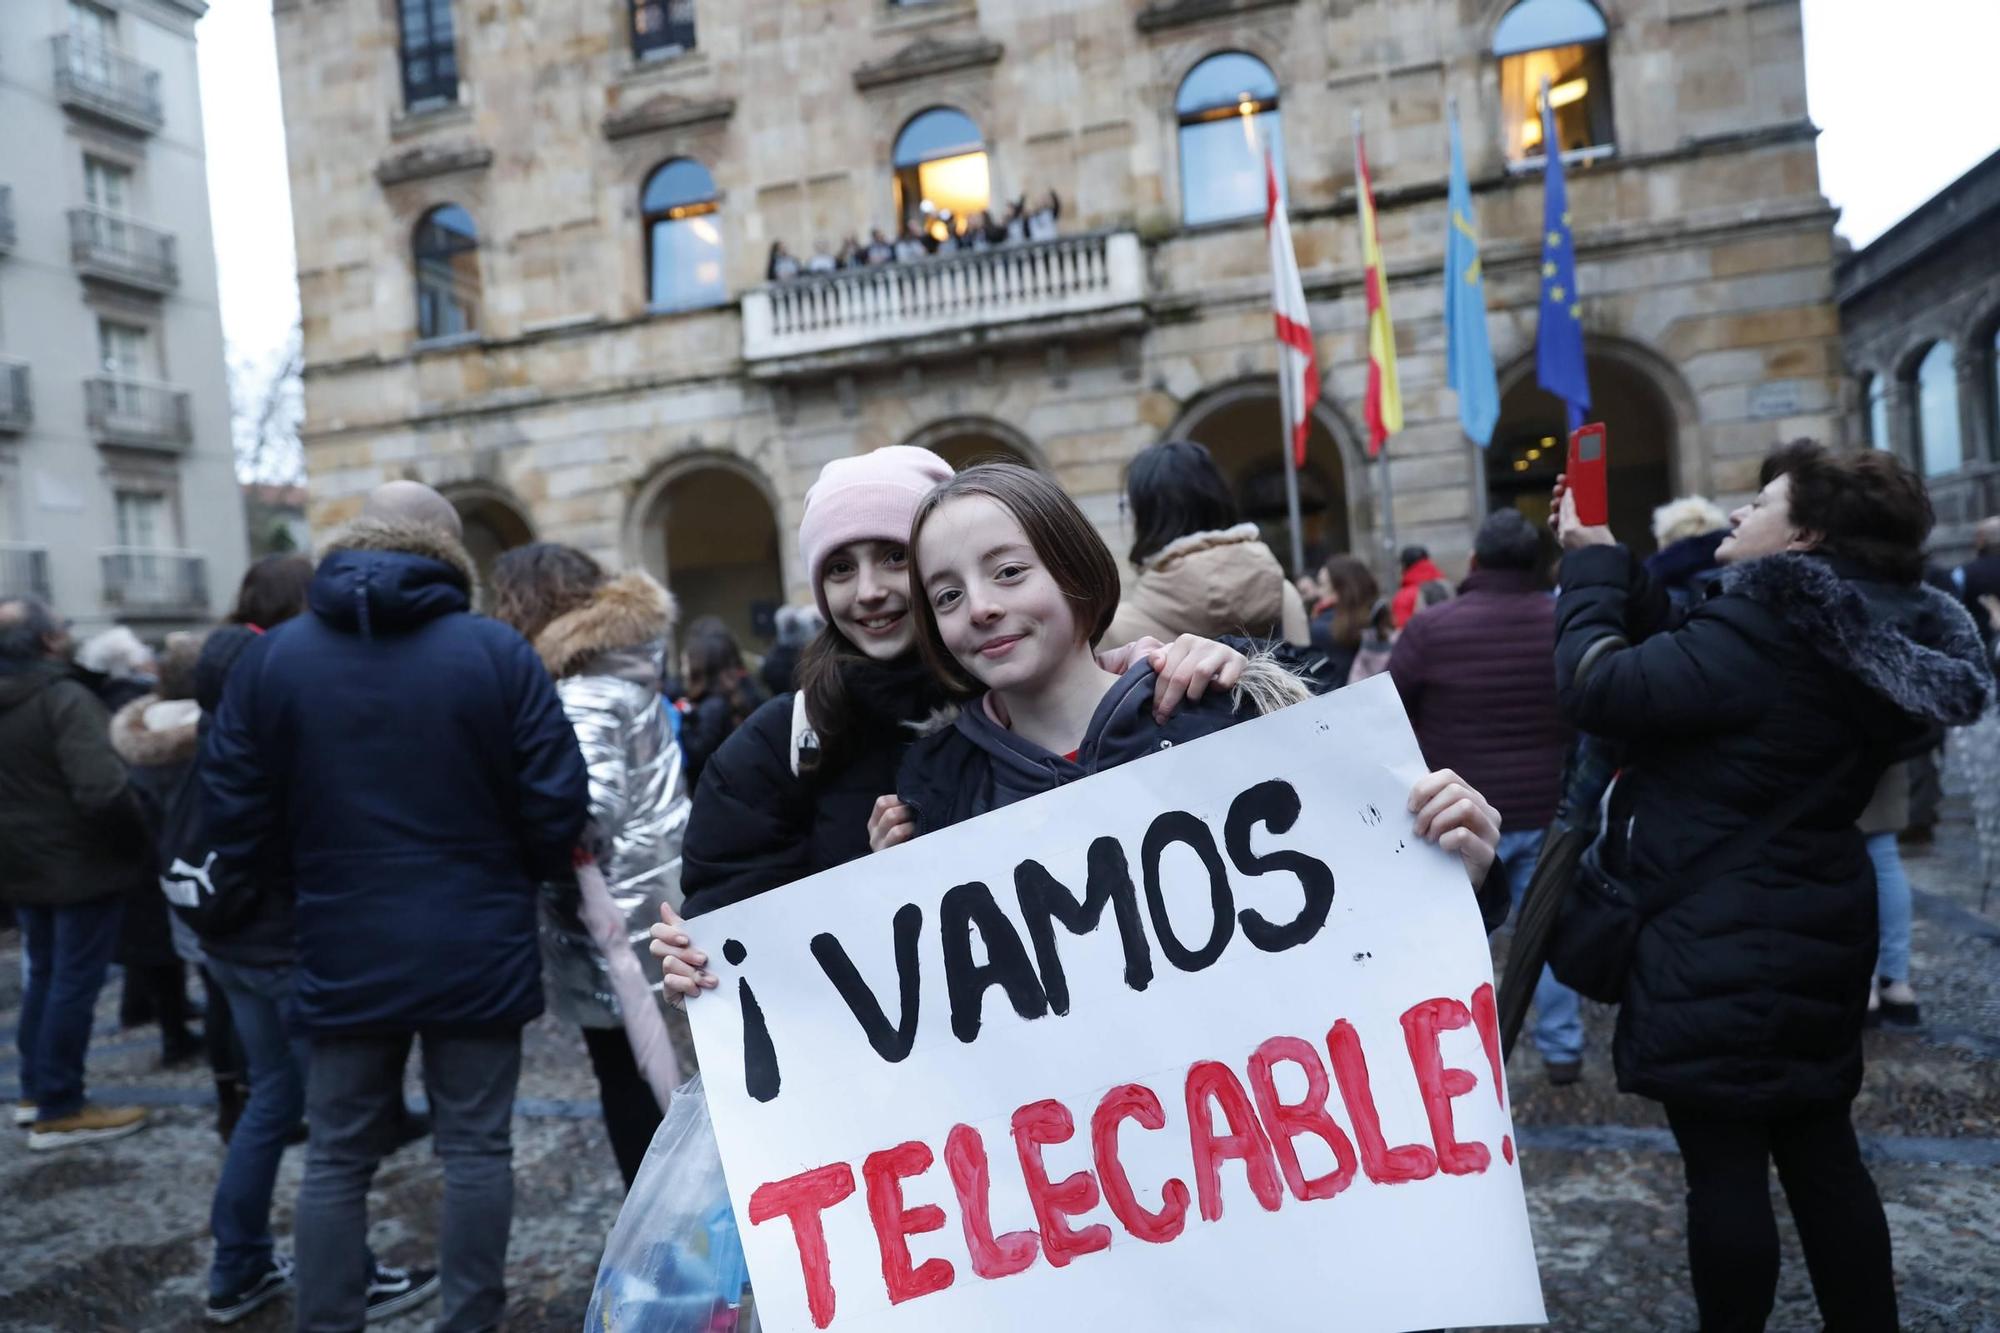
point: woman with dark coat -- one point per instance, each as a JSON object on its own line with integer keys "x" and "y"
{"x": 1819, "y": 652}
{"x": 721, "y": 693}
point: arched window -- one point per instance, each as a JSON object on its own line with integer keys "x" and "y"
{"x": 1937, "y": 412}
{"x": 941, "y": 167}
{"x": 1228, "y": 111}
{"x": 447, "y": 252}
{"x": 683, "y": 243}
{"x": 1561, "y": 41}
{"x": 1877, "y": 391}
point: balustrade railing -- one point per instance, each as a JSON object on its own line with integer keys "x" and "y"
{"x": 137, "y": 412}
{"x": 90, "y": 76}
{"x": 24, "y": 570}
{"x": 109, "y": 245}
{"x": 149, "y": 579}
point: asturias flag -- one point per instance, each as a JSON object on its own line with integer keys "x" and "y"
{"x": 1468, "y": 351}
{"x": 1559, "y": 364}
{"x": 1298, "y": 369}
{"x": 1384, "y": 405}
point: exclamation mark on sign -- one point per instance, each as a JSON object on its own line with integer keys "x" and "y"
{"x": 760, "y": 1057}
{"x": 1487, "y": 1019}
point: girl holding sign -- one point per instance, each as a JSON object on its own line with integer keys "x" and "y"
{"x": 791, "y": 791}
{"x": 1013, "y": 586}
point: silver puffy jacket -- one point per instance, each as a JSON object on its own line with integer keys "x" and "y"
{"x": 609, "y": 681}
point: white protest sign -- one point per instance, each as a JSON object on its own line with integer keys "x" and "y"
{"x": 1206, "y": 1041}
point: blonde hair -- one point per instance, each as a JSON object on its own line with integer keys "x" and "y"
{"x": 1690, "y": 516}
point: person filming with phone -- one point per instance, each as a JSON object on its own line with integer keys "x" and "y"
{"x": 1753, "y": 731}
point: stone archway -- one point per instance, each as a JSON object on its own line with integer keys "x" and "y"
{"x": 1644, "y": 425}
{"x": 1241, "y": 425}
{"x": 706, "y": 527}
{"x": 964, "y": 441}
{"x": 495, "y": 523}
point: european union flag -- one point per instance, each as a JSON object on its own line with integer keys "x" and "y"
{"x": 1559, "y": 365}
{"x": 1468, "y": 352}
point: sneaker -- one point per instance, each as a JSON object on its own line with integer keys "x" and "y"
{"x": 1562, "y": 1073}
{"x": 24, "y": 1113}
{"x": 266, "y": 1287}
{"x": 1899, "y": 1005}
{"x": 394, "y": 1290}
{"x": 89, "y": 1125}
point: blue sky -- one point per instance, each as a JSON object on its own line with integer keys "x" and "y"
{"x": 1903, "y": 93}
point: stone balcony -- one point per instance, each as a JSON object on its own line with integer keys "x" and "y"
{"x": 24, "y": 570}
{"x": 137, "y": 414}
{"x": 139, "y": 580}
{"x": 109, "y": 248}
{"x": 1071, "y": 287}
{"x": 17, "y": 403}
{"x": 96, "y": 81}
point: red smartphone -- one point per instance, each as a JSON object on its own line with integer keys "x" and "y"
{"x": 1586, "y": 475}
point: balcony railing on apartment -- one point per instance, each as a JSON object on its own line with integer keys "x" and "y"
{"x": 17, "y": 404}
{"x": 6, "y": 219}
{"x": 974, "y": 290}
{"x": 116, "y": 249}
{"x": 138, "y": 413}
{"x": 93, "y": 78}
{"x": 140, "y": 578}
{"x": 24, "y": 570}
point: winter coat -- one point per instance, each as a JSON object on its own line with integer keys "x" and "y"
{"x": 1404, "y": 604}
{"x": 605, "y": 656}
{"x": 759, "y": 824}
{"x": 1747, "y": 991}
{"x": 407, "y": 767}
{"x": 70, "y": 826}
{"x": 976, "y": 765}
{"x": 157, "y": 739}
{"x": 706, "y": 722}
{"x": 1211, "y": 584}
{"x": 265, "y": 935}
{"x": 1477, "y": 675}
{"x": 1685, "y": 568}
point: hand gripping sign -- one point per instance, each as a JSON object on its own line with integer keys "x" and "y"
{"x": 1207, "y": 1041}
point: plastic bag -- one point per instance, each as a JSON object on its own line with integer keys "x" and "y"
{"x": 674, "y": 1263}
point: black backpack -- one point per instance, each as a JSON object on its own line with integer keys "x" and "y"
{"x": 200, "y": 887}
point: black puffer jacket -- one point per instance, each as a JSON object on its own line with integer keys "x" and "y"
{"x": 1747, "y": 991}
{"x": 756, "y": 825}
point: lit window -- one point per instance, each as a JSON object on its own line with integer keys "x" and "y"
{"x": 662, "y": 28}
{"x": 429, "y": 52}
{"x": 941, "y": 171}
{"x": 1228, "y": 111}
{"x": 1937, "y": 412}
{"x": 1561, "y": 41}
{"x": 1878, "y": 413}
{"x": 447, "y": 254}
{"x": 683, "y": 242}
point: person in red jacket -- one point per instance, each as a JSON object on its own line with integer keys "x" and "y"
{"x": 1418, "y": 569}
{"x": 1477, "y": 674}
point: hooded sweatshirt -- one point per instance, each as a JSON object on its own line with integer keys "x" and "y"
{"x": 1211, "y": 584}
{"x": 1404, "y": 604}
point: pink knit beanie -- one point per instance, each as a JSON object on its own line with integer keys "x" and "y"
{"x": 872, "y": 497}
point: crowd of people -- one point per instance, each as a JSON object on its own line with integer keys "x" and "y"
{"x": 932, "y": 231}
{"x": 370, "y": 819}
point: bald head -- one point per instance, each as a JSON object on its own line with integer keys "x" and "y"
{"x": 1986, "y": 537}
{"x": 413, "y": 503}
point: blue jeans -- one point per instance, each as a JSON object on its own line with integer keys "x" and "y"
{"x": 1558, "y": 1014}
{"x": 68, "y": 950}
{"x": 263, "y": 1001}
{"x": 1892, "y": 904}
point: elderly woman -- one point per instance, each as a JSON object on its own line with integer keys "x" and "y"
{"x": 603, "y": 638}
{"x": 1817, "y": 658}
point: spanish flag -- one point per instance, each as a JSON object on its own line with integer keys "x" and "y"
{"x": 1384, "y": 405}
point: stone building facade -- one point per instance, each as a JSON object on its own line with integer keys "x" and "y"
{"x": 1920, "y": 321}
{"x": 118, "y": 497}
{"x": 554, "y": 383}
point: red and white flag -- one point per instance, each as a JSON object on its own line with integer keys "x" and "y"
{"x": 1298, "y": 368}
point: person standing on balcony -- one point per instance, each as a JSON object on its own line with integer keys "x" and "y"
{"x": 782, "y": 266}
{"x": 879, "y": 250}
{"x": 912, "y": 245}
{"x": 1042, "y": 222}
{"x": 822, "y": 260}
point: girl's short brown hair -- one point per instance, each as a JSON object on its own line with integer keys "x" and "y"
{"x": 1063, "y": 539}
{"x": 536, "y": 583}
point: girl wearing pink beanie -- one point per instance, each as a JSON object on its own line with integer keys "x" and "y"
{"x": 791, "y": 791}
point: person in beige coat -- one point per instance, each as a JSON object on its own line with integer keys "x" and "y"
{"x": 1195, "y": 568}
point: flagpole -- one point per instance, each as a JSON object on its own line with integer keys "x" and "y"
{"x": 1284, "y": 432}
{"x": 1382, "y": 460}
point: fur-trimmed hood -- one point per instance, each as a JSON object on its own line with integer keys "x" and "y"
{"x": 1908, "y": 643}
{"x": 151, "y": 732}
{"x": 631, "y": 611}
{"x": 390, "y": 576}
{"x": 1224, "y": 581}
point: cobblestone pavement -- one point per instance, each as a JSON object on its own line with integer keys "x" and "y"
{"x": 114, "y": 1237}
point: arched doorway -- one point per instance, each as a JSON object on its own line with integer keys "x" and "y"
{"x": 494, "y": 525}
{"x": 1242, "y": 428}
{"x": 1531, "y": 441}
{"x": 710, "y": 534}
{"x": 963, "y": 441}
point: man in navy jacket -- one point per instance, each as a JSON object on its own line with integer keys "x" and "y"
{"x": 404, "y": 770}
